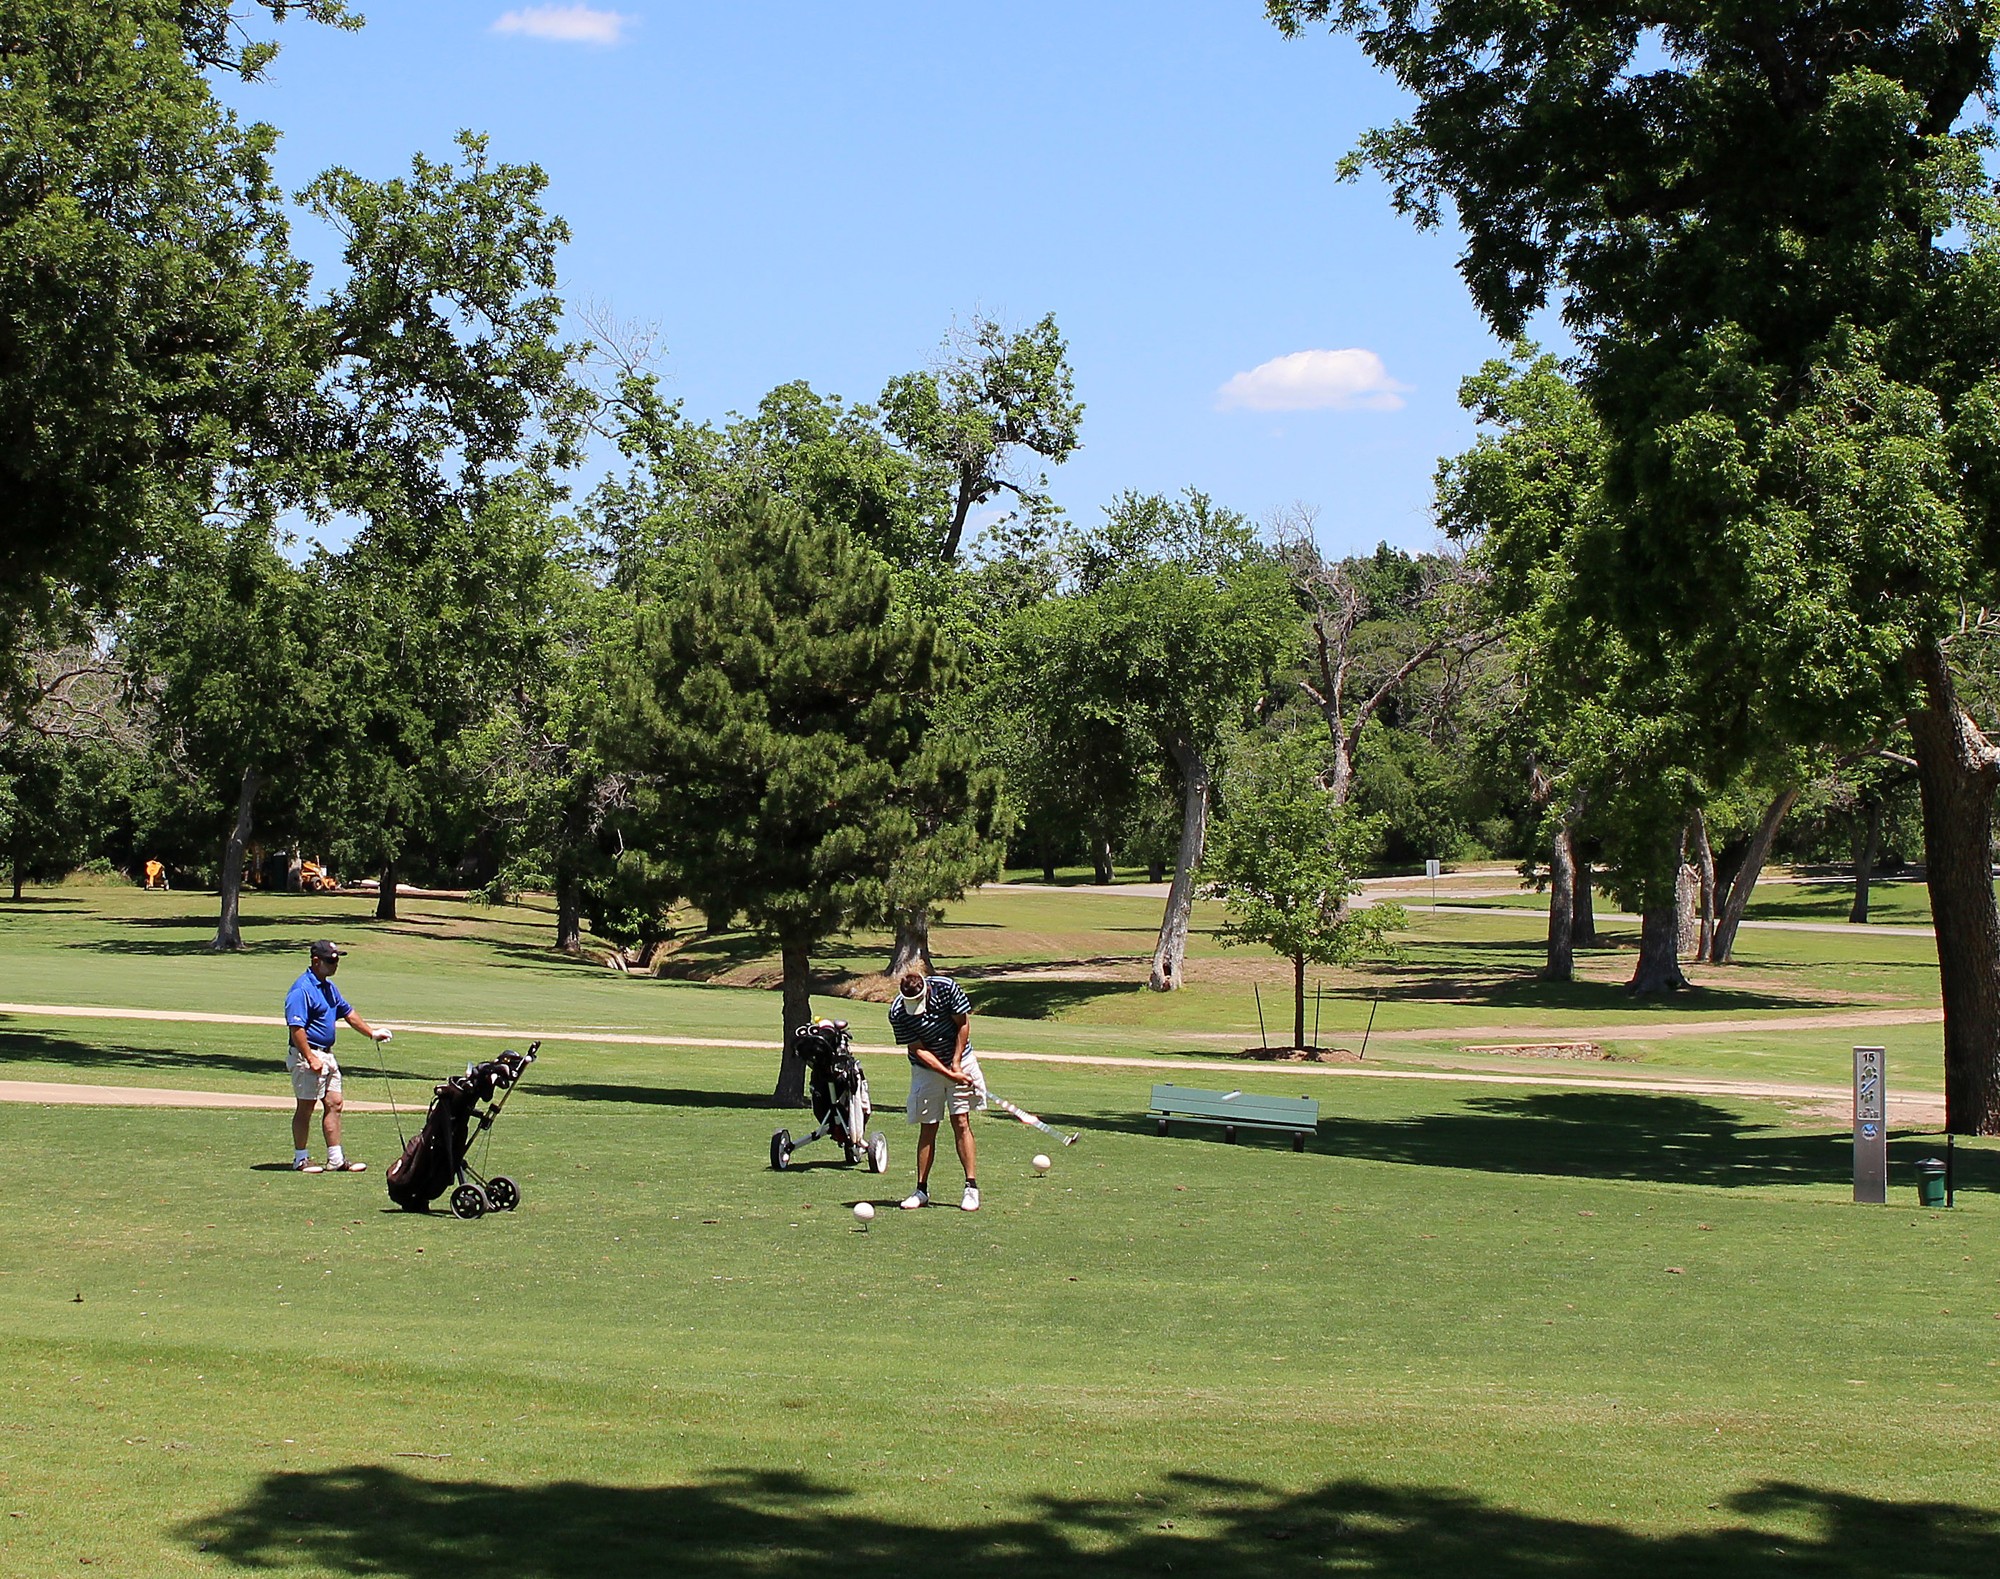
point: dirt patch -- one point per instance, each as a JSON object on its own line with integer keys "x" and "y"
{"x": 1302, "y": 1055}
{"x": 1538, "y": 1049}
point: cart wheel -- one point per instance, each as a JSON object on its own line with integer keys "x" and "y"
{"x": 781, "y": 1150}
{"x": 503, "y": 1192}
{"x": 878, "y": 1153}
{"x": 469, "y": 1201}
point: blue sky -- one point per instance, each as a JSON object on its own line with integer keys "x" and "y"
{"x": 813, "y": 190}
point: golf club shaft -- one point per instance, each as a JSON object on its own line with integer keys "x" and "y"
{"x": 1029, "y": 1119}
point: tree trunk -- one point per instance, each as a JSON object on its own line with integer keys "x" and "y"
{"x": 1156, "y": 871}
{"x": 228, "y": 927}
{"x": 1048, "y": 871}
{"x": 1100, "y": 855}
{"x": 1687, "y": 910}
{"x": 17, "y": 881}
{"x": 1171, "y": 950}
{"x": 913, "y": 940}
{"x": 797, "y": 958}
{"x": 1705, "y": 865}
{"x": 385, "y": 894}
{"x": 1723, "y": 947}
{"x": 1561, "y": 964}
{"x": 1298, "y": 1000}
{"x": 1583, "y": 915}
{"x": 569, "y": 910}
{"x": 1867, "y": 847}
{"x": 1957, "y": 772}
{"x": 1659, "y": 967}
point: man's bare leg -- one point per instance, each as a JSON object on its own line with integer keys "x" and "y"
{"x": 926, "y": 1151}
{"x": 961, "y": 1132}
{"x": 302, "y": 1114}
{"x": 329, "y": 1122}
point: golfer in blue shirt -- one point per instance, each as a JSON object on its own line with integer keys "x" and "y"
{"x": 313, "y": 1009}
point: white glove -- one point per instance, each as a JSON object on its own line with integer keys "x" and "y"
{"x": 383, "y": 1036}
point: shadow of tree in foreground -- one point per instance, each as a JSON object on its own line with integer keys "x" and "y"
{"x": 379, "y": 1521}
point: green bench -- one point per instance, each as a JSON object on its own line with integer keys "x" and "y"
{"x": 1234, "y": 1110}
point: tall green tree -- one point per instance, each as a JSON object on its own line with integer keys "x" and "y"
{"x": 772, "y": 714}
{"x": 1792, "y": 354}
{"x": 995, "y": 399}
{"x": 1173, "y": 642}
{"x": 144, "y": 276}
{"x": 230, "y": 642}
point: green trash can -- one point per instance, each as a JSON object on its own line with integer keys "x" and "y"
{"x": 1930, "y": 1181}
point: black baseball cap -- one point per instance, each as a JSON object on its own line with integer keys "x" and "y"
{"x": 324, "y": 949}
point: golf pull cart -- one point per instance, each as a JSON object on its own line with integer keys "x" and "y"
{"x": 839, "y": 1099}
{"x": 435, "y": 1156}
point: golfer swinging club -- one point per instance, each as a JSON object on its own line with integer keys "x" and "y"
{"x": 312, "y": 1009}
{"x": 933, "y": 1019}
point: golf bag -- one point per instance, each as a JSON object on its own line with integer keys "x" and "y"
{"x": 434, "y": 1159}
{"x": 839, "y": 1098}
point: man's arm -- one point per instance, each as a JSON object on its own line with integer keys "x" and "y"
{"x": 930, "y": 1060}
{"x": 305, "y": 1048}
{"x": 353, "y": 1018}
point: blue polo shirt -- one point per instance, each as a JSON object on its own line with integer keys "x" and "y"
{"x": 318, "y": 1006}
{"x": 936, "y": 1029}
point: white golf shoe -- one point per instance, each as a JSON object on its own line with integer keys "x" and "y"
{"x": 921, "y": 1197}
{"x": 969, "y": 1202}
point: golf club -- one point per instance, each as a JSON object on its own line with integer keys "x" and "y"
{"x": 1029, "y": 1119}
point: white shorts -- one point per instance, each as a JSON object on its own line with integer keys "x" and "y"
{"x": 311, "y": 1086}
{"x": 932, "y": 1096}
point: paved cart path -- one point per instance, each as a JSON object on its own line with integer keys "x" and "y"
{"x": 1924, "y": 1109}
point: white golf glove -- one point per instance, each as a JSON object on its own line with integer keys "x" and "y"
{"x": 383, "y": 1036}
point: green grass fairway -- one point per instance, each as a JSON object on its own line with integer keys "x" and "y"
{"x": 1476, "y": 1330}
{"x": 1475, "y": 1335}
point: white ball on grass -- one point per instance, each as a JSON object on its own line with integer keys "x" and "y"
{"x": 1041, "y": 1163}
{"x": 865, "y": 1212}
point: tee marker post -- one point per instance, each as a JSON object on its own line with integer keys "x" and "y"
{"x": 1871, "y": 1128}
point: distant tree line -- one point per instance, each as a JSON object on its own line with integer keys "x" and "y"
{"x": 1706, "y": 593}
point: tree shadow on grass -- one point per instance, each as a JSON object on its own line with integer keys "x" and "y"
{"x": 40, "y": 1047}
{"x": 649, "y": 1096}
{"x": 380, "y": 1521}
{"x": 1442, "y": 974}
{"x": 1643, "y": 1136}
{"x": 1646, "y": 1137}
{"x": 1038, "y": 998}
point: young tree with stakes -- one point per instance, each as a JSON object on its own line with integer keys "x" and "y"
{"x": 1287, "y": 859}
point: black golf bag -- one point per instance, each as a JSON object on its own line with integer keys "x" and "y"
{"x": 434, "y": 1159}
{"x": 839, "y": 1098}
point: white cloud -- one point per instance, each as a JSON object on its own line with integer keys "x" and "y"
{"x": 566, "y": 24}
{"x": 1350, "y": 380}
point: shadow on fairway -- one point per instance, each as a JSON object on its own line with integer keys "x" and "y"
{"x": 651, "y": 1096}
{"x": 381, "y": 1521}
{"x": 1452, "y": 973}
{"x": 41, "y": 1048}
{"x": 1033, "y": 999}
{"x": 1610, "y": 1135}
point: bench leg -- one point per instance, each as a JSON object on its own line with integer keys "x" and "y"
{"x": 1229, "y": 1134}
{"x": 1298, "y": 1143}
{"x": 1162, "y": 1126}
